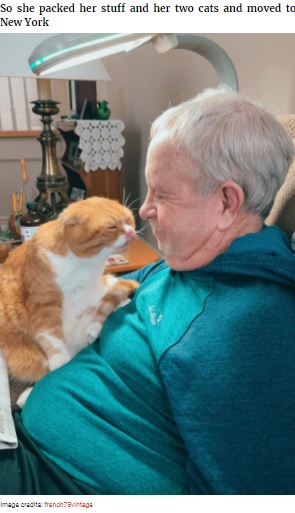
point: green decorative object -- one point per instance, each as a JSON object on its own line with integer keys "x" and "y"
{"x": 103, "y": 112}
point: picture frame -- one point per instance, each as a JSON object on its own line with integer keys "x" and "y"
{"x": 77, "y": 194}
{"x": 87, "y": 110}
{"x": 73, "y": 151}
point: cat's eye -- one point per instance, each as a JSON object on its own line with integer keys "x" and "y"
{"x": 112, "y": 227}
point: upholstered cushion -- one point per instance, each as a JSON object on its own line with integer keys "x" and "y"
{"x": 283, "y": 210}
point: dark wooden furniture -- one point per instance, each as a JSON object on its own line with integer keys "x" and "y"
{"x": 138, "y": 255}
{"x": 103, "y": 182}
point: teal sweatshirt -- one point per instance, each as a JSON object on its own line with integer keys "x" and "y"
{"x": 190, "y": 388}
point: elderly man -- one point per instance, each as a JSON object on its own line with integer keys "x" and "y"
{"x": 190, "y": 388}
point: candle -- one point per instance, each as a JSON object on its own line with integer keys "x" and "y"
{"x": 44, "y": 88}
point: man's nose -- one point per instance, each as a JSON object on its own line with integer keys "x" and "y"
{"x": 147, "y": 209}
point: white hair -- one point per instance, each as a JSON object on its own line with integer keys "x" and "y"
{"x": 230, "y": 137}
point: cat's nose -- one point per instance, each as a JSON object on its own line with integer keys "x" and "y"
{"x": 130, "y": 235}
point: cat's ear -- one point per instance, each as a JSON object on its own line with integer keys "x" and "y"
{"x": 68, "y": 218}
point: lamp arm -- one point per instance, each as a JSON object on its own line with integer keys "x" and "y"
{"x": 211, "y": 51}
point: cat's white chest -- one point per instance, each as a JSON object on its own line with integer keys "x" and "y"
{"x": 79, "y": 280}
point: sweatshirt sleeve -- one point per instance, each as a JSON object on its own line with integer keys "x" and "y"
{"x": 230, "y": 382}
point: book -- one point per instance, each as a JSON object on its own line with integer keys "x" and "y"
{"x": 8, "y": 437}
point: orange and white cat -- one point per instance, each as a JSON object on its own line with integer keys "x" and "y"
{"x": 54, "y": 297}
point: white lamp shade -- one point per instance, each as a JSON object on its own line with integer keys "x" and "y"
{"x": 66, "y": 50}
{"x": 17, "y": 48}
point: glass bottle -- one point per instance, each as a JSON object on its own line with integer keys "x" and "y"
{"x": 30, "y": 221}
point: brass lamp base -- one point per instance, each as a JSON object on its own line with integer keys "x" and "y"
{"x": 51, "y": 182}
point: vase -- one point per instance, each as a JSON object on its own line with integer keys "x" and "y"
{"x": 13, "y": 223}
{"x": 103, "y": 112}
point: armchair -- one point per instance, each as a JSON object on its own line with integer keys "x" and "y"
{"x": 283, "y": 210}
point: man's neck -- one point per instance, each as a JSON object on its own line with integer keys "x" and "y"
{"x": 244, "y": 224}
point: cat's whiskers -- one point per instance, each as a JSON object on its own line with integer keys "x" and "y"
{"x": 133, "y": 202}
{"x": 140, "y": 231}
{"x": 125, "y": 200}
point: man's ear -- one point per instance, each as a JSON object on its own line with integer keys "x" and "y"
{"x": 231, "y": 201}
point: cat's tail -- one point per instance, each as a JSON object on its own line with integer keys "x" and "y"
{"x": 26, "y": 361}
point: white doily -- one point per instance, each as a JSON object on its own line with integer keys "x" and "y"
{"x": 101, "y": 144}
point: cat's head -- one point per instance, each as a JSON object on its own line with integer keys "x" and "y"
{"x": 97, "y": 225}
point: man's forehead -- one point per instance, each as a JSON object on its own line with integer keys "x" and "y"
{"x": 158, "y": 146}
{"x": 165, "y": 158}
{"x": 160, "y": 166}
{"x": 161, "y": 149}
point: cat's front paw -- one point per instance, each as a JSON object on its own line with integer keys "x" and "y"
{"x": 124, "y": 302}
{"x": 23, "y": 397}
{"x": 93, "y": 331}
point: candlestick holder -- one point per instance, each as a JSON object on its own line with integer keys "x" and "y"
{"x": 51, "y": 183}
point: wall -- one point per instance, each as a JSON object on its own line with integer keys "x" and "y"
{"x": 12, "y": 150}
{"x": 144, "y": 83}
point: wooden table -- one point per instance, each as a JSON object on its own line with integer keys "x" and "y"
{"x": 138, "y": 255}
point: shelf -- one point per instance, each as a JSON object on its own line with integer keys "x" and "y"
{"x": 19, "y": 133}
{"x": 102, "y": 182}
{"x": 71, "y": 166}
